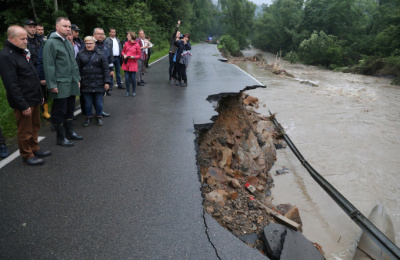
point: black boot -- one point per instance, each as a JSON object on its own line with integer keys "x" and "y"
{"x": 99, "y": 121}
{"x": 88, "y": 121}
{"x": 61, "y": 140}
{"x": 69, "y": 130}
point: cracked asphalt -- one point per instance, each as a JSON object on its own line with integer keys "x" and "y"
{"x": 130, "y": 189}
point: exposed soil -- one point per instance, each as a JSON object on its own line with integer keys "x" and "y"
{"x": 239, "y": 150}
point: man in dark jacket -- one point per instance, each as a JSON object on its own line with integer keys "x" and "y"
{"x": 115, "y": 46}
{"x": 98, "y": 34}
{"x": 35, "y": 45}
{"x": 35, "y": 42}
{"x": 77, "y": 40}
{"x": 23, "y": 93}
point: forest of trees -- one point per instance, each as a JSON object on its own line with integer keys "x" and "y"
{"x": 157, "y": 18}
{"x": 333, "y": 33}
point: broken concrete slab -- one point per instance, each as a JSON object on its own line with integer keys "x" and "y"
{"x": 229, "y": 246}
{"x": 249, "y": 239}
{"x": 286, "y": 244}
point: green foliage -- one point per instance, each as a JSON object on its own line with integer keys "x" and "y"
{"x": 238, "y": 17}
{"x": 387, "y": 42}
{"x": 322, "y": 49}
{"x": 7, "y": 121}
{"x": 292, "y": 57}
{"x": 278, "y": 28}
{"x": 347, "y": 30}
{"x": 230, "y": 45}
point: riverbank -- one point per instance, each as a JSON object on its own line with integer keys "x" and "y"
{"x": 345, "y": 127}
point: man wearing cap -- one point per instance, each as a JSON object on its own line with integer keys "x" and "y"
{"x": 62, "y": 79}
{"x": 116, "y": 47}
{"x": 35, "y": 43}
{"x": 24, "y": 94}
{"x": 75, "y": 33}
{"x": 34, "y": 40}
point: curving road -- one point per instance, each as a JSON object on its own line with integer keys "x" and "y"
{"x": 130, "y": 189}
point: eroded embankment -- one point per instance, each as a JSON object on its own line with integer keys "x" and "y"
{"x": 238, "y": 151}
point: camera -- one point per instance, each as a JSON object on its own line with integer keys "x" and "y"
{"x": 126, "y": 60}
{"x": 181, "y": 36}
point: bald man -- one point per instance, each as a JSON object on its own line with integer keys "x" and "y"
{"x": 24, "y": 93}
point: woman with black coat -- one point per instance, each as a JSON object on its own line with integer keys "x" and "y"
{"x": 95, "y": 79}
{"x": 183, "y": 45}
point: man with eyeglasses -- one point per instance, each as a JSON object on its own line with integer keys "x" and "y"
{"x": 98, "y": 34}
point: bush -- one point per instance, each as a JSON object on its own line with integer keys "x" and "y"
{"x": 322, "y": 49}
{"x": 230, "y": 45}
{"x": 291, "y": 56}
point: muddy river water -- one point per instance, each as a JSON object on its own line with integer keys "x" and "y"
{"x": 348, "y": 128}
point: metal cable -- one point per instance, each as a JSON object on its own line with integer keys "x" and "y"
{"x": 373, "y": 232}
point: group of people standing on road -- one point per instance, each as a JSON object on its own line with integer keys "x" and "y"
{"x": 62, "y": 66}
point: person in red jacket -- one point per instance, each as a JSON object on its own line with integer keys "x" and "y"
{"x": 131, "y": 53}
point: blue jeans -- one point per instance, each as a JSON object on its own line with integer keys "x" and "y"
{"x": 117, "y": 67}
{"x": 95, "y": 99}
{"x": 130, "y": 75}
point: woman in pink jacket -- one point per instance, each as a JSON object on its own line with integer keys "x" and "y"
{"x": 130, "y": 53}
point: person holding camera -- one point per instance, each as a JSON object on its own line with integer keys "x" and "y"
{"x": 172, "y": 52}
{"x": 182, "y": 58}
{"x": 131, "y": 54}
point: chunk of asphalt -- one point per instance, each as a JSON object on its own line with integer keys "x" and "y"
{"x": 297, "y": 246}
{"x": 274, "y": 238}
{"x": 249, "y": 239}
{"x": 286, "y": 244}
{"x": 282, "y": 171}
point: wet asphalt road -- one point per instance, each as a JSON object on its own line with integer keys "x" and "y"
{"x": 130, "y": 189}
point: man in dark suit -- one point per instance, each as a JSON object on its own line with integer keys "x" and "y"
{"x": 24, "y": 93}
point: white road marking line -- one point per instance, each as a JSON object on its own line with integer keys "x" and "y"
{"x": 14, "y": 155}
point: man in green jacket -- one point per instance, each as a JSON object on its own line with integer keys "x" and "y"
{"x": 62, "y": 79}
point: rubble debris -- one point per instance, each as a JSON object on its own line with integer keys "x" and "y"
{"x": 282, "y": 171}
{"x": 235, "y": 156}
{"x": 308, "y": 83}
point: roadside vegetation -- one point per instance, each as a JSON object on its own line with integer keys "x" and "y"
{"x": 360, "y": 36}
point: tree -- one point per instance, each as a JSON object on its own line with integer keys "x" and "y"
{"x": 238, "y": 17}
{"x": 279, "y": 26}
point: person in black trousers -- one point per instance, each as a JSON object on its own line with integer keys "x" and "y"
{"x": 172, "y": 52}
{"x": 183, "y": 45}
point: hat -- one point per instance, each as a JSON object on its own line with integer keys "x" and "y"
{"x": 30, "y": 22}
{"x": 74, "y": 27}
